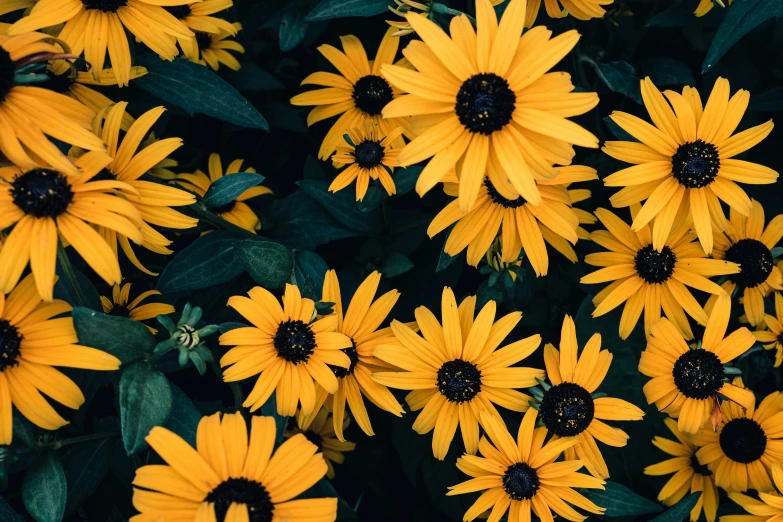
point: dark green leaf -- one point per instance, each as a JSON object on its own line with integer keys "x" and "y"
{"x": 7, "y": 514}
{"x": 770, "y": 100}
{"x": 302, "y": 224}
{"x": 675, "y": 15}
{"x": 184, "y": 417}
{"x": 268, "y": 263}
{"x": 208, "y": 261}
{"x": 668, "y": 71}
{"x": 145, "y": 402}
{"x": 197, "y": 89}
{"x": 329, "y": 9}
{"x": 269, "y": 409}
{"x": 680, "y": 511}
{"x": 741, "y": 17}
{"x": 227, "y": 327}
{"x": 395, "y": 264}
{"x": 284, "y": 116}
{"x": 445, "y": 260}
{"x": 372, "y": 199}
{"x": 405, "y": 179}
{"x": 292, "y": 28}
{"x": 226, "y": 189}
{"x": 85, "y": 467}
{"x": 124, "y": 338}
{"x": 310, "y": 265}
{"x": 44, "y": 489}
{"x": 313, "y": 169}
{"x": 342, "y": 206}
{"x": 252, "y": 78}
{"x": 620, "y": 501}
{"x": 64, "y": 291}
{"x": 618, "y": 131}
{"x": 619, "y": 76}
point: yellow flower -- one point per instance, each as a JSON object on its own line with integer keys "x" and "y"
{"x": 455, "y": 369}
{"x": 285, "y": 348}
{"x": 499, "y": 211}
{"x": 357, "y": 93}
{"x": 368, "y": 155}
{"x": 213, "y": 49}
{"x": 31, "y": 344}
{"x": 773, "y": 338}
{"x": 705, "y": 6}
{"x": 152, "y": 200}
{"x": 568, "y": 409}
{"x": 746, "y": 443}
{"x": 196, "y": 16}
{"x": 690, "y": 475}
{"x": 769, "y": 509}
{"x": 230, "y": 476}
{"x": 97, "y": 26}
{"x": 747, "y": 242}
{"x": 42, "y": 204}
{"x": 119, "y": 306}
{"x": 29, "y": 114}
{"x": 579, "y": 9}
{"x": 321, "y": 433}
{"x": 684, "y": 165}
{"x": 237, "y": 211}
{"x": 686, "y": 381}
{"x": 645, "y": 278}
{"x": 361, "y": 324}
{"x": 489, "y": 102}
{"x": 521, "y": 475}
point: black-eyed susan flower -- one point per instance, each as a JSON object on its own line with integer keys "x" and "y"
{"x": 361, "y": 323}
{"x": 520, "y": 476}
{"x": 454, "y": 369}
{"x": 33, "y": 339}
{"x": 368, "y": 155}
{"x": 43, "y": 204}
{"x": 96, "y": 27}
{"x": 684, "y": 163}
{"x": 686, "y": 382}
{"x": 152, "y": 200}
{"x": 579, "y": 9}
{"x": 230, "y": 476}
{"x": 773, "y": 336}
{"x": 28, "y": 114}
{"x": 321, "y": 433}
{"x": 768, "y": 509}
{"x": 689, "y": 475}
{"x": 568, "y": 408}
{"x": 359, "y": 92}
{"x": 499, "y": 211}
{"x": 649, "y": 279}
{"x": 705, "y": 6}
{"x": 746, "y": 443}
{"x": 121, "y": 305}
{"x": 749, "y": 243}
{"x": 285, "y": 348}
{"x": 197, "y": 16}
{"x": 212, "y": 49}
{"x": 237, "y": 211}
{"x": 489, "y": 102}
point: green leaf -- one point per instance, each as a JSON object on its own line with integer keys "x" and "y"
{"x": 85, "y": 466}
{"x": 145, "y": 402}
{"x": 395, "y": 265}
{"x": 680, "y": 511}
{"x": 300, "y": 224}
{"x": 342, "y": 206}
{"x": 668, "y": 71}
{"x": 184, "y": 417}
{"x": 197, "y": 89}
{"x": 292, "y": 28}
{"x": 618, "y": 131}
{"x": 767, "y": 101}
{"x": 252, "y": 78}
{"x": 269, "y": 409}
{"x": 124, "y": 338}
{"x": 445, "y": 260}
{"x": 405, "y": 179}
{"x": 268, "y": 263}
{"x": 7, "y": 514}
{"x": 208, "y": 261}
{"x": 63, "y": 289}
{"x": 328, "y": 9}
{"x": 44, "y": 489}
{"x": 310, "y": 265}
{"x": 676, "y": 15}
{"x": 741, "y": 17}
{"x": 620, "y": 501}
{"x": 619, "y": 76}
{"x": 226, "y": 189}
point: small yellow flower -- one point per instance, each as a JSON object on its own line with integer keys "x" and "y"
{"x": 321, "y": 433}
{"x": 773, "y": 338}
{"x": 120, "y": 306}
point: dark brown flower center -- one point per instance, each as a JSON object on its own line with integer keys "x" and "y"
{"x": 743, "y": 440}
{"x": 107, "y": 6}
{"x": 699, "y": 468}
{"x": 7, "y": 72}
{"x": 41, "y": 193}
{"x": 353, "y": 355}
{"x": 179, "y": 12}
{"x": 119, "y": 311}
{"x": 567, "y": 409}
{"x": 653, "y": 266}
{"x": 294, "y": 341}
{"x": 368, "y": 154}
{"x": 755, "y": 262}
{"x": 698, "y": 374}
{"x": 696, "y": 164}
{"x": 459, "y": 381}
{"x": 242, "y": 491}
{"x": 10, "y": 344}
{"x": 496, "y": 198}
{"x": 371, "y": 93}
{"x": 313, "y": 437}
{"x": 520, "y": 481}
{"x": 203, "y": 40}
{"x": 485, "y": 103}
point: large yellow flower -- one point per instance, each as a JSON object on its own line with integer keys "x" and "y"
{"x": 97, "y": 26}
{"x": 684, "y": 165}
{"x": 489, "y": 102}
{"x": 43, "y": 204}
{"x": 285, "y": 348}
{"x": 689, "y": 476}
{"x": 649, "y": 279}
{"x": 455, "y": 369}
{"x": 773, "y": 337}
{"x": 746, "y": 443}
{"x": 749, "y": 243}
{"x": 499, "y": 211}
{"x": 152, "y": 200}
{"x": 520, "y": 476}
{"x": 230, "y": 476}
{"x": 768, "y": 509}
{"x": 358, "y": 92}
{"x": 686, "y": 382}
{"x": 29, "y": 114}
{"x": 579, "y": 9}
{"x": 568, "y": 408}
{"x": 361, "y": 323}
{"x": 32, "y": 341}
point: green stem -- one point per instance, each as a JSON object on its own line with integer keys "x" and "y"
{"x": 57, "y": 444}
{"x": 443, "y": 9}
{"x": 70, "y": 275}
{"x": 216, "y": 221}
{"x": 235, "y": 391}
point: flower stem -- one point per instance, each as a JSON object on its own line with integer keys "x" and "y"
{"x": 70, "y": 275}
{"x": 205, "y": 215}
{"x": 57, "y": 444}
